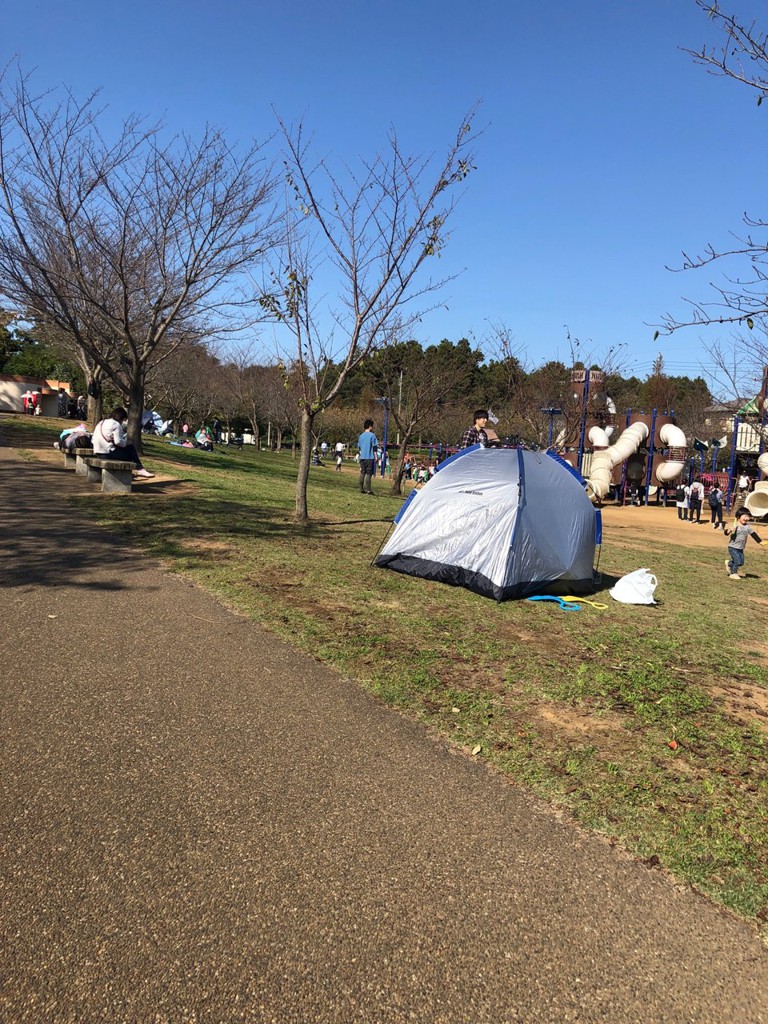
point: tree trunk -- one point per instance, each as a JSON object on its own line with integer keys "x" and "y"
{"x": 95, "y": 400}
{"x": 305, "y": 456}
{"x": 255, "y": 432}
{"x": 397, "y": 475}
{"x": 135, "y": 410}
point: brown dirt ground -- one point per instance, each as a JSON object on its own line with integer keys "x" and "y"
{"x": 660, "y": 524}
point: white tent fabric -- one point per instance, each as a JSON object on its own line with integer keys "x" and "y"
{"x": 503, "y": 522}
{"x": 153, "y": 420}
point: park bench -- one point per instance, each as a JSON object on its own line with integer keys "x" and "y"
{"x": 116, "y": 477}
{"x": 73, "y": 459}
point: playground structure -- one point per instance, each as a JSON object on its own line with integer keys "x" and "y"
{"x": 644, "y": 464}
{"x": 651, "y": 455}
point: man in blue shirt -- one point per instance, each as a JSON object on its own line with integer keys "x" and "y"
{"x": 368, "y": 445}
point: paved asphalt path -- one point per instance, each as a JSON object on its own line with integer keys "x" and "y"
{"x": 201, "y": 825}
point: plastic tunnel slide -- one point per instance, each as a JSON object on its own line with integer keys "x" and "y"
{"x": 671, "y": 437}
{"x": 607, "y": 455}
{"x": 757, "y": 502}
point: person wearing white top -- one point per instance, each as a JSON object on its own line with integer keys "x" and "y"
{"x": 111, "y": 442}
{"x": 695, "y": 499}
{"x": 682, "y": 501}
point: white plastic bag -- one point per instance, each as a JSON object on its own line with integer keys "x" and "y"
{"x": 635, "y": 588}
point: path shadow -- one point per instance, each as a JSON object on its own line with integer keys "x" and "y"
{"x": 43, "y": 544}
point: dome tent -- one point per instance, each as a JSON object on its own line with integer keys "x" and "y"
{"x": 502, "y": 522}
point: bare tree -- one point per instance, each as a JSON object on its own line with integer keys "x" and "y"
{"x": 280, "y": 398}
{"x": 185, "y": 384}
{"x": 365, "y": 237}
{"x": 742, "y": 54}
{"x": 742, "y": 298}
{"x": 129, "y": 247}
{"x": 248, "y": 382}
{"x": 735, "y": 366}
{"x": 343, "y": 423}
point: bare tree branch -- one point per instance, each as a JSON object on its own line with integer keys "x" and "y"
{"x": 743, "y": 298}
{"x": 370, "y": 232}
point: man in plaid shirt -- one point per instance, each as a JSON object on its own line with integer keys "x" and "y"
{"x": 476, "y": 434}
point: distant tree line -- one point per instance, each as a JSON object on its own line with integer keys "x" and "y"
{"x": 429, "y": 393}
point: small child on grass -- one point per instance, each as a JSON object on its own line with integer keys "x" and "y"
{"x": 738, "y": 534}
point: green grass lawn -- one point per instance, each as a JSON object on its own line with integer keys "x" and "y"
{"x": 619, "y": 715}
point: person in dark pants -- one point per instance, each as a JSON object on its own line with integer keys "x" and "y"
{"x": 696, "y": 498}
{"x": 716, "y": 507}
{"x": 368, "y": 446}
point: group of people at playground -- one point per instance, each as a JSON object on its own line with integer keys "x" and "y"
{"x": 690, "y": 499}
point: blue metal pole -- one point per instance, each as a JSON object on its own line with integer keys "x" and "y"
{"x": 732, "y": 467}
{"x": 649, "y": 459}
{"x": 386, "y": 426}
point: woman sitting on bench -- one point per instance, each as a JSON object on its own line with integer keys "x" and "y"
{"x": 111, "y": 442}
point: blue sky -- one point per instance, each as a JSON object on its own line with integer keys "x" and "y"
{"x": 606, "y": 150}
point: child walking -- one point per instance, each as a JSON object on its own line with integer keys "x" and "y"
{"x": 738, "y": 534}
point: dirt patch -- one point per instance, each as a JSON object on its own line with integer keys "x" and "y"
{"x": 657, "y": 523}
{"x": 213, "y": 547}
{"x": 744, "y": 702}
{"x": 508, "y": 631}
{"x": 575, "y": 723}
{"x": 563, "y": 726}
{"x": 272, "y": 578}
